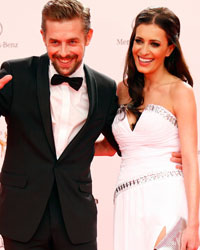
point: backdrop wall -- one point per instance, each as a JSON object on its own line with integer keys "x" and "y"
{"x": 112, "y": 21}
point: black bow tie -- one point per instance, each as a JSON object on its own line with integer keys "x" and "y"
{"x": 74, "y": 82}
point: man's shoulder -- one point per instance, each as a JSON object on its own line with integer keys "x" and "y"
{"x": 26, "y": 65}
{"x": 98, "y": 75}
{"x": 27, "y": 60}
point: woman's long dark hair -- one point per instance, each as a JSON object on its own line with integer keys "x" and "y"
{"x": 175, "y": 63}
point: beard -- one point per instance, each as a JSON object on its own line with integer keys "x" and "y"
{"x": 67, "y": 69}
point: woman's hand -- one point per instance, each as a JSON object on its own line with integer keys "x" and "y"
{"x": 190, "y": 238}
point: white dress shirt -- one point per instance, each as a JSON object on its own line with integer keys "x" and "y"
{"x": 69, "y": 109}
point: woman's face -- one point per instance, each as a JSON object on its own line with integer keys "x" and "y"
{"x": 150, "y": 48}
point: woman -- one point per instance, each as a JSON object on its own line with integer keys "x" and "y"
{"x": 157, "y": 116}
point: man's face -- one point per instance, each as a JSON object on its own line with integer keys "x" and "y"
{"x": 65, "y": 42}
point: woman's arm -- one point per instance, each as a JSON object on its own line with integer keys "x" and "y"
{"x": 103, "y": 148}
{"x": 185, "y": 111}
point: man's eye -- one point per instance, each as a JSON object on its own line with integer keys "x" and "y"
{"x": 54, "y": 42}
{"x": 73, "y": 42}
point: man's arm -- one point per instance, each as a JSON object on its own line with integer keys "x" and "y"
{"x": 4, "y": 80}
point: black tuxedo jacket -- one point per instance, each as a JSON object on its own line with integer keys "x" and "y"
{"x": 30, "y": 167}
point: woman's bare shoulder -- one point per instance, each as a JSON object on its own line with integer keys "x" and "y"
{"x": 122, "y": 93}
{"x": 181, "y": 89}
{"x": 182, "y": 96}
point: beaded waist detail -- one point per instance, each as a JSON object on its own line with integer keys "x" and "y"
{"x": 145, "y": 179}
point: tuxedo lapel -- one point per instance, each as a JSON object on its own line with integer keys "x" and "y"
{"x": 92, "y": 89}
{"x": 44, "y": 98}
{"x": 93, "y": 100}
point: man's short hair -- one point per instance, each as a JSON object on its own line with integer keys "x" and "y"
{"x": 58, "y": 10}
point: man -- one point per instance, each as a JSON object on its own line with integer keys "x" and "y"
{"x": 46, "y": 197}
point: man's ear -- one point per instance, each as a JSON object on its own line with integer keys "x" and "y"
{"x": 43, "y": 36}
{"x": 89, "y": 37}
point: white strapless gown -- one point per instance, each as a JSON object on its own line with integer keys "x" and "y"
{"x": 150, "y": 192}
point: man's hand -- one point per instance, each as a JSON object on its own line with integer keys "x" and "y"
{"x": 177, "y": 158}
{"x": 4, "y": 80}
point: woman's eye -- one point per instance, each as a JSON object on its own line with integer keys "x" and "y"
{"x": 155, "y": 44}
{"x": 138, "y": 41}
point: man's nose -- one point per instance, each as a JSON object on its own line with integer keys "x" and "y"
{"x": 63, "y": 50}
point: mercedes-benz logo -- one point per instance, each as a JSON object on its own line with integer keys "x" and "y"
{"x": 1, "y": 28}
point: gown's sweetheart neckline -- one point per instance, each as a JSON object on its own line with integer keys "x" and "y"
{"x": 147, "y": 107}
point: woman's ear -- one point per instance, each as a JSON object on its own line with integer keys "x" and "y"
{"x": 170, "y": 50}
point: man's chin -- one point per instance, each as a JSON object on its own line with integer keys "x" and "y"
{"x": 65, "y": 71}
